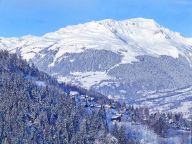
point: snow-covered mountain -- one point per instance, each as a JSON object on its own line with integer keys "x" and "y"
{"x": 123, "y": 60}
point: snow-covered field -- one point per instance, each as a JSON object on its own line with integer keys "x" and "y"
{"x": 179, "y": 100}
{"x": 87, "y": 79}
{"x": 147, "y": 136}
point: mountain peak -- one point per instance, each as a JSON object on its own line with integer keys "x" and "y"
{"x": 130, "y": 37}
{"x": 136, "y": 20}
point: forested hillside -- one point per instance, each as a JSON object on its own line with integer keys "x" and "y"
{"x": 34, "y": 109}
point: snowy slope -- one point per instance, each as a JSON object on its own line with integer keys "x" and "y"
{"x": 175, "y": 100}
{"x": 116, "y": 58}
{"x": 189, "y": 41}
{"x": 131, "y": 38}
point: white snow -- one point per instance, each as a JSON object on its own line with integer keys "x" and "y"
{"x": 40, "y": 83}
{"x": 189, "y": 40}
{"x": 168, "y": 101}
{"x": 130, "y": 38}
{"x": 73, "y": 93}
{"x": 85, "y": 79}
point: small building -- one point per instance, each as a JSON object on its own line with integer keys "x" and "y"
{"x": 116, "y": 118}
{"x": 74, "y": 93}
{"x": 97, "y": 105}
{"x": 92, "y": 105}
{"x": 108, "y": 106}
{"x": 91, "y": 98}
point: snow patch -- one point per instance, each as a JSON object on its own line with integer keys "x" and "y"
{"x": 86, "y": 79}
{"x": 40, "y": 83}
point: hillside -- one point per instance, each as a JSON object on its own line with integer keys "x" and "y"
{"x": 34, "y": 108}
{"x": 122, "y": 60}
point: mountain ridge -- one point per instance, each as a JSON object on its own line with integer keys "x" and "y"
{"x": 116, "y": 58}
{"x": 124, "y": 31}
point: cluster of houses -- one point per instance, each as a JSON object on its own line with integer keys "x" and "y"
{"x": 88, "y": 101}
{"x": 117, "y": 112}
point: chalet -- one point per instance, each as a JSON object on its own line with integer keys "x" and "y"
{"x": 74, "y": 93}
{"x": 84, "y": 97}
{"x": 116, "y": 118}
{"x": 92, "y": 105}
{"x": 97, "y": 105}
{"x": 107, "y": 106}
{"x": 91, "y": 98}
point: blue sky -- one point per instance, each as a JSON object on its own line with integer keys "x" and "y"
{"x": 37, "y": 17}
